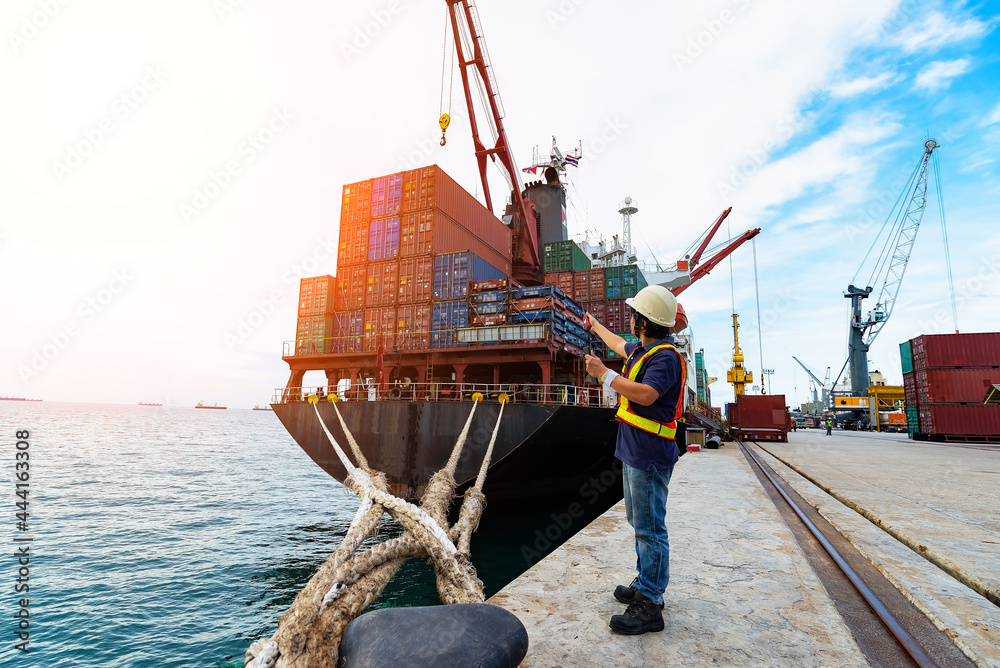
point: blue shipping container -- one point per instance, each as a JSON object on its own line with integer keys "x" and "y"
{"x": 387, "y": 193}
{"x": 491, "y": 307}
{"x": 540, "y": 291}
{"x": 446, "y": 317}
{"x": 383, "y": 239}
{"x": 491, "y": 296}
{"x": 454, "y": 271}
{"x": 348, "y": 327}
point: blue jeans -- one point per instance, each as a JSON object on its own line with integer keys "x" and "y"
{"x": 646, "y": 511}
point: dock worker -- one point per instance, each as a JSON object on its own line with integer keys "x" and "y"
{"x": 829, "y": 426}
{"x": 650, "y": 399}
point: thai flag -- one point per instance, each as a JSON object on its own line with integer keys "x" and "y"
{"x": 571, "y": 160}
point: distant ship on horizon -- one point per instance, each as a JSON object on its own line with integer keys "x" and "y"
{"x": 143, "y": 403}
{"x": 258, "y": 407}
{"x": 202, "y": 404}
{"x": 17, "y": 399}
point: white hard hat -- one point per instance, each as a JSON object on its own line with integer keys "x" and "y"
{"x": 656, "y": 303}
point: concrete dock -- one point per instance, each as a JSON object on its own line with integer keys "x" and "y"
{"x": 741, "y": 590}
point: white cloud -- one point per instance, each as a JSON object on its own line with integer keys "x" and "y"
{"x": 994, "y": 116}
{"x": 861, "y": 85}
{"x": 937, "y": 30}
{"x": 939, "y": 74}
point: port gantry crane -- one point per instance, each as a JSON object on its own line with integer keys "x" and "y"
{"x": 822, "y": 385}
{"x": 738, "y": 375}
{"x": 520, "y": 214}
{"x": 892, "y": 264}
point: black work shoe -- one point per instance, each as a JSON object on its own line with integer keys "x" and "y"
{"x": 626, "y": 595}
{"x": 642, "y": 615}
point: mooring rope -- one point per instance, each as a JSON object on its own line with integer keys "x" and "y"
{"x": 309, "y": 632}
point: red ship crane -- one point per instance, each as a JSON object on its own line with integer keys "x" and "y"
{"x": 520, "y": 214}
{"x": 701, "y": 269}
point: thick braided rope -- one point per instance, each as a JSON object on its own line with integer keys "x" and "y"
{"x": 360, "y": 580}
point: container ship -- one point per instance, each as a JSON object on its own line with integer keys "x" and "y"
{"x": 424, "y": 313}
{"x": 436, "y": 300}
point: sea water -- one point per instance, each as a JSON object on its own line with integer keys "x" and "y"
{"x": 175, "y": 536}
{"x": 162, "y": 536}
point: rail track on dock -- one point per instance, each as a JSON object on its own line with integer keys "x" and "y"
{"x": 889, "y": 630}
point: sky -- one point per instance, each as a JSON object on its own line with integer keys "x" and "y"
{"x": 170, "y": 170}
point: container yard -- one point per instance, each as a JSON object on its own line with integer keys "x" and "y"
{"x": 946, "y": 378}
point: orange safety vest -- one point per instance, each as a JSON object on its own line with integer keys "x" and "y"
{"x": 628, "y": 416}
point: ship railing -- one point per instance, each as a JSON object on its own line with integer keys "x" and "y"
{"x": 593, "y": 396}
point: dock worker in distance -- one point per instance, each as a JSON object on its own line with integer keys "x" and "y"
{"x": 650, "y": 399}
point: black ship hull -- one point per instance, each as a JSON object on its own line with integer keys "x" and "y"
{"x": 544, "y": 456}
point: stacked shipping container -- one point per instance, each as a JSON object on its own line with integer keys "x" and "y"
{"x": 315, "y": 318}
{"x": 419, "y": 258}
{"x": 945, "y": 378}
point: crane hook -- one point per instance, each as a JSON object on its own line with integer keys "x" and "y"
{"x": 444, "y": 121}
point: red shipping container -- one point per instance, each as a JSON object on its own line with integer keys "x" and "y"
{"x": 954, "y": 386}
{"x": 588, "y": 285}
{"x": 356, "y": 202}
{"x": 910, "y": 389}
{"x": 531, "y": 303}
{"x": 353, "y": 245}
{"x": 765, "y": 411}
{"x": 380, "y": 324}
{"x": 598, "y": 309}
{"x": 351, "y": 288}
{"x": 492, "y": 284}
{"x": 426, "y": 232}
{"x": 619, "y": 316}
{"x": 596, "y": 283}
{"x": 317, "y": 295}
{"x": 959, "y": 420}
{"x": 562, "y": 280}
{"x": 382, "y": 284}
{"x": 956, "y": 350}
{"x": 416, "y": 280}
{"x": 413, "y": 327}
{"x": 733, "y": 414}
{"x": 486, "y": 319}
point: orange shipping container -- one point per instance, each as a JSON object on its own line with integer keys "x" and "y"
{"x": 351, "y": 288}
{"x": 431, "y": 188}
{"x": 425, "y": 232}
{"x": 413, "y": 327}
{"x": 562, "y": 280}
{"x": 382, "y": 283}
{"x": 416, "y": 280}
{"x": 316, "y": 295}
{"x": 353, "y": 245}
{"x": 380, "y": 323}
{"x": 356, "y": 202}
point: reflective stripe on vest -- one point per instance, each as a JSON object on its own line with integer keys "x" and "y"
{"x": 628, "y": 416}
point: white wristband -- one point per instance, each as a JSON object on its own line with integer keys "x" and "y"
{"x": 609, "y": 377}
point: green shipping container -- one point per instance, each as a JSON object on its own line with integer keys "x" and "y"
{"x": 906, "y": 356}
{"x": 623, "y": 281}
{"x": 628, "y": 339}
{"x": 565, "y": 256}
{"x": 912, "y": 420}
